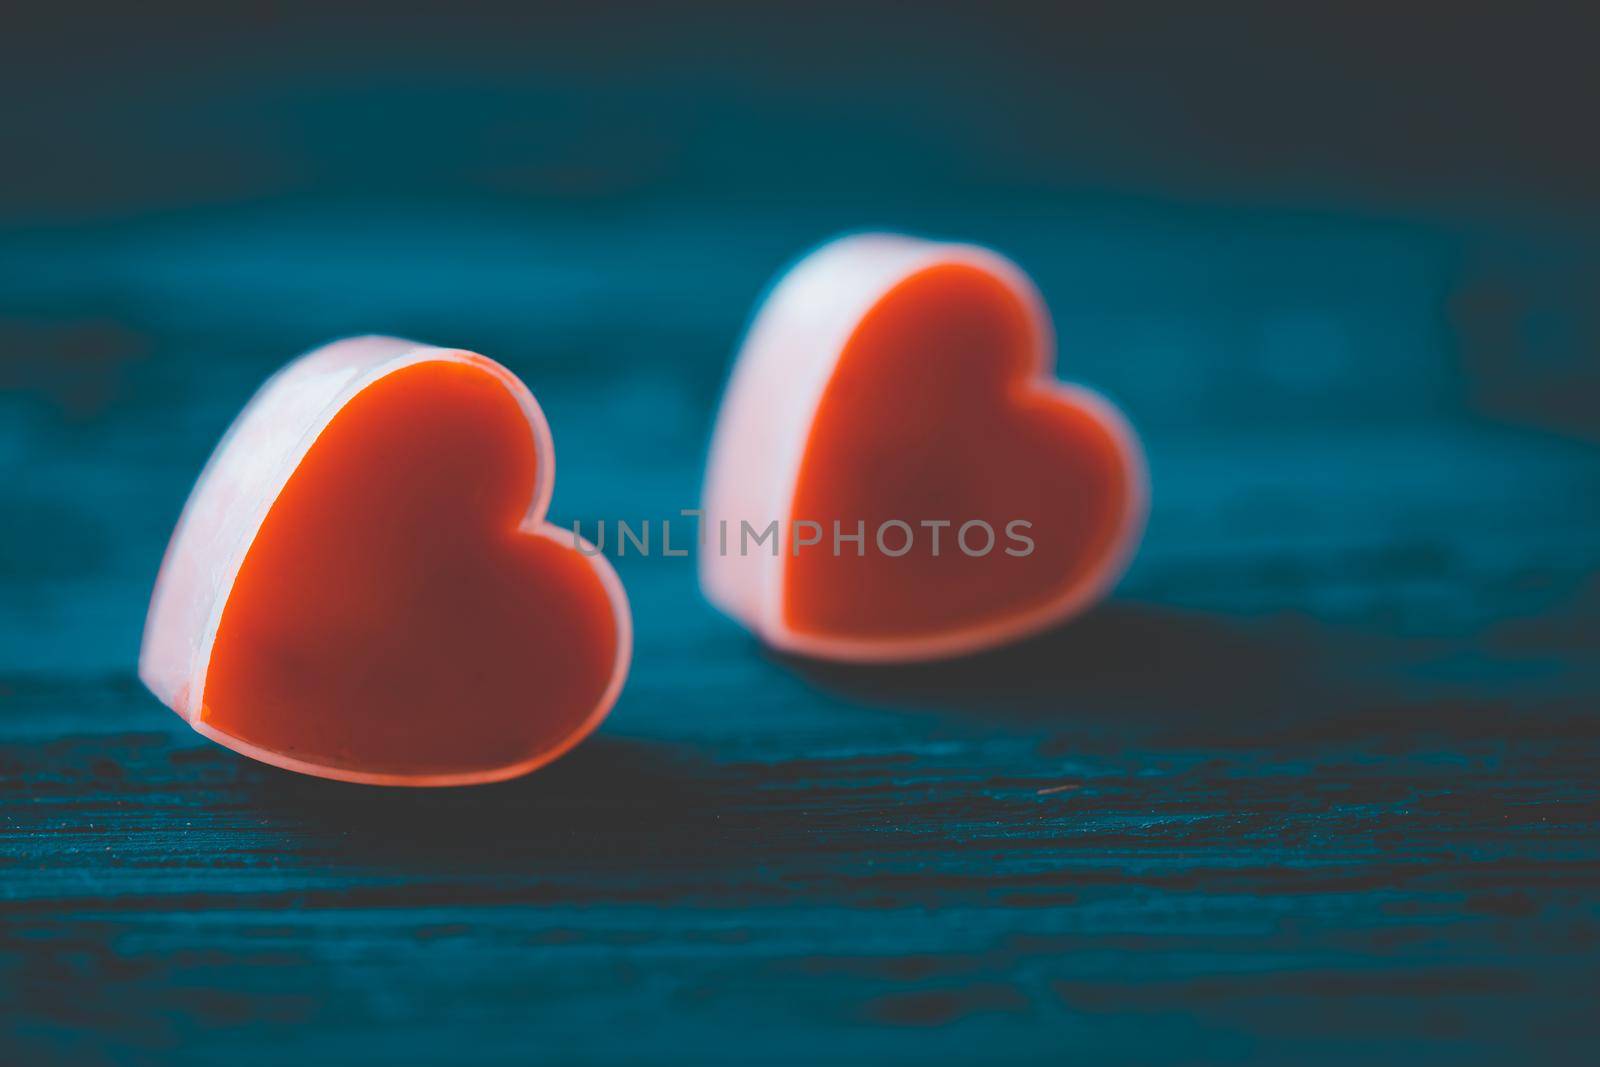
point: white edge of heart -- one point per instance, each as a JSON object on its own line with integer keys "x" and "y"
{"x": 238, "y": 486}
{"x": 790, "y": 349}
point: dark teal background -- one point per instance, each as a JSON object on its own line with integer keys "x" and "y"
{"x": 1315, "y": 786}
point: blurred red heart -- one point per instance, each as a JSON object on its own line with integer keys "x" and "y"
{"x": 902, "y": 389}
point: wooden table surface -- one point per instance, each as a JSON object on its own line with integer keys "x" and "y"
{"x": 1317, "y": 785}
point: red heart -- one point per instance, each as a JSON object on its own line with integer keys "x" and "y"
{"x": 888, "y": 379}
{"x": 362, "y": 585}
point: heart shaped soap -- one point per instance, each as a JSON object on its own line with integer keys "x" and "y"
{"x": 363, "y": 586}
{"x": 936, "y": 490}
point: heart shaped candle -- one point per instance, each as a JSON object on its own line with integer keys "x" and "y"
{"x": 936, "y": 490}
{"x": 363, "y": 586}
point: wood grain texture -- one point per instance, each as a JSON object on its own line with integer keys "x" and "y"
{"x": 1316, "y": 786}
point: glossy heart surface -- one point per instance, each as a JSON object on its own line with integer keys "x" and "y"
{"x": 363, "y": 585}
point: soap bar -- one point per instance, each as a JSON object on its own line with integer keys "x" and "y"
{"x": 936, "y": 491}
{"x": 362, "y": 585}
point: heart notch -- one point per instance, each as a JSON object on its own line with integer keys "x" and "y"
{"x": 363, "y": 586}
{"x": 902, "y": 391}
